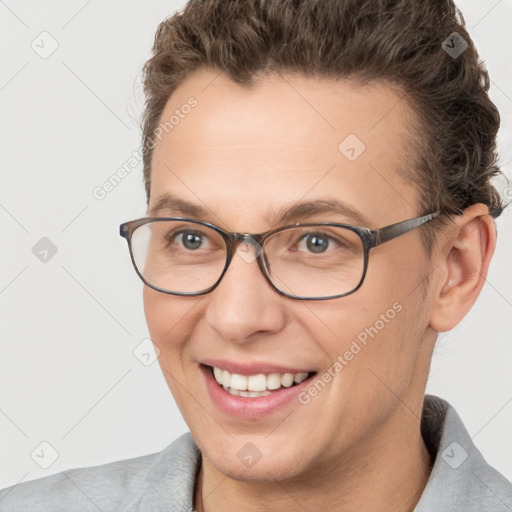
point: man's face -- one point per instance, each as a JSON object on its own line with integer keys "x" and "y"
{"x": 243, "y": 155}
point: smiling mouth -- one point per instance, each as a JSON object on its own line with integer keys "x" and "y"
{"x": 256, "y": 385}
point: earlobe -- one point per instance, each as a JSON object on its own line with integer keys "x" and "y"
{"x": 462, "y": 263}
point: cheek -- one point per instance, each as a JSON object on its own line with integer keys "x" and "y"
{"x": 169, "y": 320}
{"x": 156, "y": 310}
{"x": 378, "y": 328}
{"x": 170, "y": 323}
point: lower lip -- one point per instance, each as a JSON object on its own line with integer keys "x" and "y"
{"x": 250, "y": 407}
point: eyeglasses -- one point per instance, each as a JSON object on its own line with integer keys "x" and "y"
{"x": 316, "y": 261}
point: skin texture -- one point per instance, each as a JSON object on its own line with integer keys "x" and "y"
{"x": 244, "y": 154}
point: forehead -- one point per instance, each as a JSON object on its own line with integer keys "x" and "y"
{"x": 286, "y": 138}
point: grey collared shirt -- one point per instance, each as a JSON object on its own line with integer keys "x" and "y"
{"x": 460, "y": 481}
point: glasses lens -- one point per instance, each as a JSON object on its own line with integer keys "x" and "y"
{"x": 178, "y": 256}
{"x": 315, "y": 261}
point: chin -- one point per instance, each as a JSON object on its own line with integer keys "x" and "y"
{"x": 260, "y": 472}
{"x": 269, "y": 464}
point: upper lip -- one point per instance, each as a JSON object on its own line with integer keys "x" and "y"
{"x": 251, "y": 368}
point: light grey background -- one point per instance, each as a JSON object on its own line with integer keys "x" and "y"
{"x": 68, "y": 374}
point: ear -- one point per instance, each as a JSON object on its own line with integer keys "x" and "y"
{"x": 461, "y": 263}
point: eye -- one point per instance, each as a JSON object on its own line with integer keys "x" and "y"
{"x": 316, "y": 243}
{"x": 190, "y": 240}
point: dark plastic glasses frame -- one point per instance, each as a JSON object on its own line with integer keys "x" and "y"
{"x": 369, "y": 237}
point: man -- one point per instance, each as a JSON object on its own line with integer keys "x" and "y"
{"x": 319, "y": 208}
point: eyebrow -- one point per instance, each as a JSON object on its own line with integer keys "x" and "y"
{"x": 167, "y": 203}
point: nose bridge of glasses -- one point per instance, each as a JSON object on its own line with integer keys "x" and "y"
{"x": 243, "y": 243}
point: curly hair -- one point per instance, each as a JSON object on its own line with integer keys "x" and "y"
{"x": 399, "y": 42}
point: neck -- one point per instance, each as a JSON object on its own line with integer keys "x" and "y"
{"x": 389, "y": 474}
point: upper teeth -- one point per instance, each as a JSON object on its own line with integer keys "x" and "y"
{"x": 259, "y": 382}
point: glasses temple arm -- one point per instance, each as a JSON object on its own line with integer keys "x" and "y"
{"x": 387, "y": 233}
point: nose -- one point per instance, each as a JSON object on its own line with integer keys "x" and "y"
{"x": 244, "y": 303}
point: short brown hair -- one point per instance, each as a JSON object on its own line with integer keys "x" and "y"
{"x": 399, "y": 42}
